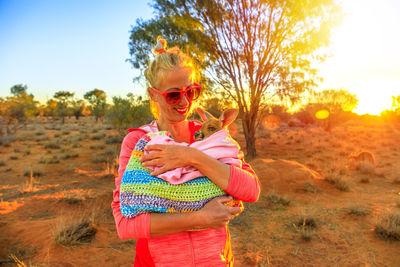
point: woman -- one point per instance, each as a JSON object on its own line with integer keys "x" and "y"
{"x": 167, "y": 239}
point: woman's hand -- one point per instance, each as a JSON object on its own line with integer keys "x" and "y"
{"x": 168, "y": 157}
{"x": 215, "y": 214}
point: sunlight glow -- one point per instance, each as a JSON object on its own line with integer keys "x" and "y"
{"x": 271, "y": 122}
{"x": 322, "y": 114}
{"x": 365, "y": 56}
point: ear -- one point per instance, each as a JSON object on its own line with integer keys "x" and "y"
{"x": 228, "y": 116}
{"x": 204, "y": 115}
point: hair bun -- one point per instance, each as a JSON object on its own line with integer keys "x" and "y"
{"x": 160, "y": 46}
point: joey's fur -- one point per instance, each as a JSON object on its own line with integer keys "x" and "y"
{"x": 212, "y": 125}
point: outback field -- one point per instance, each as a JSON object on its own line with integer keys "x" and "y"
{"x": 318, "y": 206}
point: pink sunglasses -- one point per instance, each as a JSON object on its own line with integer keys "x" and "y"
{"x": 174, "y": 97}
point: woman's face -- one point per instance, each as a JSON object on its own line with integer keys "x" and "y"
{"x": 178, "y": 79}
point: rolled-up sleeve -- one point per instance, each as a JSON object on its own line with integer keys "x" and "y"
{"x": 243, "y": 184}
{"x": 138, "y": 227}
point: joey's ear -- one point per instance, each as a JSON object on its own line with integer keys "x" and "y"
{"x": 204, "y": 115}
{"x": 151, "y": 94}
{"x": 228, "y": 116}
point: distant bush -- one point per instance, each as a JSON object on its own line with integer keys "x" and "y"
{"x": 114, "y": 139}
{"x": 52, "y": 145}
{"x": 129, "y": 112}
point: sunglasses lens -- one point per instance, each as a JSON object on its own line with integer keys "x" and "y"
{"x": 193, "y": 93}
{"x": 173, "y": 97}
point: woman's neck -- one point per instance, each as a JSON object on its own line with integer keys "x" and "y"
{"x": 179, "y": 130}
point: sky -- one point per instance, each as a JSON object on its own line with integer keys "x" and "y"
{"x": 53, "y": 45}
{"x": 81, "y": 45}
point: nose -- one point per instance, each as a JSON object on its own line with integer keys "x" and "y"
{"x": 184, "y": 100}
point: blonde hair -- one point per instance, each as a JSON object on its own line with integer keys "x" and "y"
{"x": 166, "y": 60}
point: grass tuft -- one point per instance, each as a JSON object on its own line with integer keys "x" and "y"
{"x": 52, "y": 145}
{"x": 338, "y": 182}
{"x": 75, "y": 234}
{"x": 305, "y": 226}
{"x": 358, "y": 211}
{"x": 388, "y": 228}
{"x": 309, "y": 187}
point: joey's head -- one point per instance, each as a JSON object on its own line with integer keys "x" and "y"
{"x": 212, "y": 125}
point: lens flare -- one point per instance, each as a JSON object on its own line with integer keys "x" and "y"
{"x": 271, "y": 122}
{"x": 322, "y": 114}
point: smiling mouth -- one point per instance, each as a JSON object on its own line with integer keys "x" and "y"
{"x": 181, "y": 110}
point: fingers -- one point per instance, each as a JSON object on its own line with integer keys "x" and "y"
{"x": 224, "y": 199}
{"x": 152, "y": 162}
{"x": 159, "y": 171}
{"x": 154, "y": 147}
{"x": 150, "y": 156}
{"x": 234, "y": 210}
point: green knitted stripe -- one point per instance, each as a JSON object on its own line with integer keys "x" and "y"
{"x": 182, "y": 192}
{"x": 135, "y": 164}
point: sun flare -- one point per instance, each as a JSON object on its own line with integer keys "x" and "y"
{"x": 365, "y": 56}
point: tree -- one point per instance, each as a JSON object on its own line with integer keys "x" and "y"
{"x": 19, "y": 107}
{"x": 132, "y": 111}
{"x": 63, "y": 102}
{"x": 18, "y": 89}
{"x": 396, "y": 104}
{"x": 335, "y": 100}
{"x": 78, "y": 108}
{"x": 51, "y": 108}
{"x": 339, "y": 105}
{"x": 251, "y": 49}
{"x": 97, "y": 99}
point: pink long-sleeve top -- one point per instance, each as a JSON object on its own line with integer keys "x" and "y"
{"x": 195, "y": 248}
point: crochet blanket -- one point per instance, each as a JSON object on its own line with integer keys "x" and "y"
{"x": 220, "y": 146}
{"x": 142, "y": 193}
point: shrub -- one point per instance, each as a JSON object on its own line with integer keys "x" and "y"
{"x": 76, "y": 233}
{"x": 309, "y": 187}
{"x": 39, "y": 133}
{"x": 6, "y": 140}
{"x": 358, "y": 211}
{"x": 52, "y": 145}
{"x": 97, "y": 147}
{"x": 305, "y": 225}
{"x": 114, "y": 139}
{"x": 34, "y": 172}
{"x": 98, "y": 136}
{"x": 337, "y": 181}
{"x": 69, "y": 155}
{"x": 388, "y": 227}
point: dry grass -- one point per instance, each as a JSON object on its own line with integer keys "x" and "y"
{"x": 338, "y": 182}
{"x": 30, "y": 185}
{"x": 388, "y": 228}
{"x": 358, "y": 211}
{"x": 52, "y": 145}
{"x": 75, "y": 233}
{"x": 276, "y": 202}
{"x": 309, "y": 187}
{"x": 305, "y": 225}
{"x": 366, "y": 168}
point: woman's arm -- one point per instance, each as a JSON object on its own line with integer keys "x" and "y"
{"x": 213, "y": 215}
{"x": 241, "y": 183}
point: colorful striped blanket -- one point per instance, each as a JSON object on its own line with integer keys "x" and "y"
{"x": 142, "y": 193}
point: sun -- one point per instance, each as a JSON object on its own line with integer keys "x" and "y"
{"x": 365, "y": 56}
